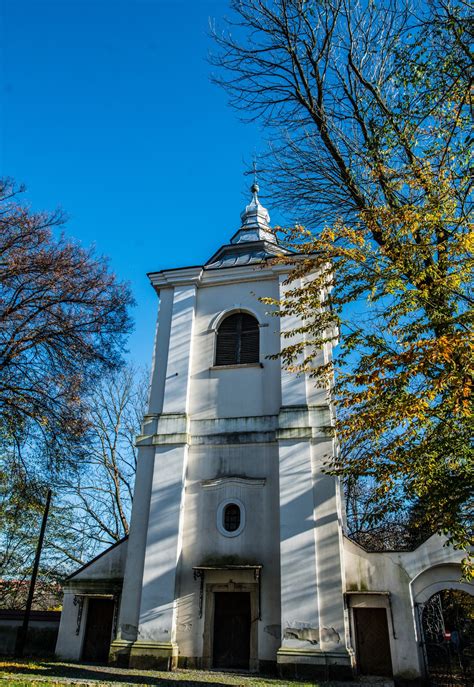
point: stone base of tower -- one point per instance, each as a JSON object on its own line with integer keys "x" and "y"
{"x": 300, "y": 664}
{"x": 144, "y": 655}
{"x": 119, "y": 654}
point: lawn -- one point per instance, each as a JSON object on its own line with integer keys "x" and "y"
{"x": 30, "y": 673}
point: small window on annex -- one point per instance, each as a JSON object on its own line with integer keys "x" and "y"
{"x": 238, "y": 340}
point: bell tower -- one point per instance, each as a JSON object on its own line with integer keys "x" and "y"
{"x": 236, "y": 529}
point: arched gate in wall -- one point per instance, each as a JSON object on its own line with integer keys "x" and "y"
{"x": 446, "y": 622}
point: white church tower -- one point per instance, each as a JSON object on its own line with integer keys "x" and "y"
{"x": 234, "y": 558}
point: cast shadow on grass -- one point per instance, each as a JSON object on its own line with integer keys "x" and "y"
{"x": 51, "y": 671}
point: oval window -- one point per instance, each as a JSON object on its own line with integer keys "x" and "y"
{"x": 231, "y": 517}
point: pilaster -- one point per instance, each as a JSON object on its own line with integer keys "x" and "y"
{"x": 147, "y": 632}
{"x": 312, "y": 614}
{"x": 132, "y": 584}
{"x": 328, "y": 538}
{"x": 176, "y": 389}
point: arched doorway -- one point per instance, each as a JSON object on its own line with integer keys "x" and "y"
{"x": 447, "y": 625}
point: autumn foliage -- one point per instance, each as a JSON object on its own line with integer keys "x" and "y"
{"x": 367, "y": 107}
{"x": 403, "y": 376}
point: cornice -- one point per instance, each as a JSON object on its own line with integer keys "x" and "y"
{"x": 176, "y": 277}
{"x": 202, "y": 277}
{"x": 293, "y": 423}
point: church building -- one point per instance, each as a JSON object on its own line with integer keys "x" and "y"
{"x": 237, "y": 557}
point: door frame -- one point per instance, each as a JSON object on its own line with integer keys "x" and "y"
{"x": 366, "y": 604}
{"x": 85, "y": 617}
{"x": 370, "y": 600}
{"x": 208, "y": 638}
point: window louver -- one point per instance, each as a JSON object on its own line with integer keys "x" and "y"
{"x": 238, "y": 340}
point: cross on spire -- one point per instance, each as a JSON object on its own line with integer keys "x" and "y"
{"x": 255, "y": 180}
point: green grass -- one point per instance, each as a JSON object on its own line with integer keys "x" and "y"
{"x": 34, "y": 673}
{"x": 34, "y": 683}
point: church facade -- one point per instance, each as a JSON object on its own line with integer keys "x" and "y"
{"x": 237, "y": 557}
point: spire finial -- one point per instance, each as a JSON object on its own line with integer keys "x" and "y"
{"x": 255, "y": 187}
{"x": 255, "y": 218}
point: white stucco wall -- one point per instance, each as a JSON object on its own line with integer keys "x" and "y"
{"x": 107, "y": 566}
{"x": 69, "y": 643}
{"x": 215, "y": 395}
{"x": 242, "y": 391}
{"x": 209, "y": 482}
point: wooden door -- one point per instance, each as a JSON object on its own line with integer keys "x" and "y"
{"x": 231, "y": 645}
{"x": 372, "y": 641}
{"x": 100, "y": 613}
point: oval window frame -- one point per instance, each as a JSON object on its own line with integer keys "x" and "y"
{"x": 220, "y": 517}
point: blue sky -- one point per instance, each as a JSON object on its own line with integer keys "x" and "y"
{"x": 107, "y": 111}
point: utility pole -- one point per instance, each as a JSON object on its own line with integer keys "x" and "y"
{"x": 23, "y": 630}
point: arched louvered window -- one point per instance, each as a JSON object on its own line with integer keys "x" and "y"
{"x": 238, "y": 340}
